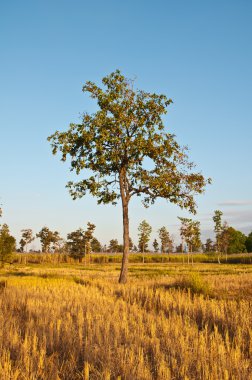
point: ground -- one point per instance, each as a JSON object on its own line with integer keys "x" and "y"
{"x": 170, "y": 321}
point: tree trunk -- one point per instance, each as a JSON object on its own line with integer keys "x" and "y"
{"x": 125, "y": 258}
{"x": 125, "y": 209}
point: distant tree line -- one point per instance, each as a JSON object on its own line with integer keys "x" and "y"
{"x": 82, "y": 242}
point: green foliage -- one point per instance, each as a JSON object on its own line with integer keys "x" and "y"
{"x": 248, "y": 242}
{"x": 76, "y": 243}
{"x": 237, "y": 241}
{"x": 7, "y": 245}
{"x": 116, "y": 140}
{"x": 166, "y": 240}
{"x": 113, "y": 246}
{"x": 217, "y": 227}
{"x": 144, "y": 235}
{"x": 155, "y": 245}
{"x": 111, "y": 147}
{"x": 208, "y": 246}
{"x": 22, "y": 244}
{"x": 190, "y": 232}
{"x": 47, "y": 238}
{"x": 79, "y": 242}
{"x": 96, "y": 245}
{"x": 27, "y": 238}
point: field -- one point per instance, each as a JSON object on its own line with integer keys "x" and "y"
{"x": 171, "y": 321}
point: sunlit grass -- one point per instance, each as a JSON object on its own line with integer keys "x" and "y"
{"x": 171, "y": 321}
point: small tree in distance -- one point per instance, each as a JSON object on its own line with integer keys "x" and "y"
{"x": 96, "y": 245}
{"x": 165, "y": 239}
{"x": 248, "y": 243}
{"x": 144, "y": 236}
{"x": 155, "y": 245}
{"x": 22, "y": 244}
{"x": 208, "y": 246}
{"x": 190, "y": 231}
{"x": 7, "y": 245}
{"x": 27, "y": 238}
{"x": 218, "y": 230}
{"x": 113, "y": 144}
{"x": 113, "y": 245}
{"x": 79, "y": 242}
{"x": 47, "y": 237}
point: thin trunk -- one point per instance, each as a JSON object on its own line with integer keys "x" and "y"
{"x": 125, "y": 258}
{"x": 125, "y": 209}
{"x": 182, "y": 249}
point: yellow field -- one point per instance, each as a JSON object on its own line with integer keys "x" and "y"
{"x": 76, "y": 322}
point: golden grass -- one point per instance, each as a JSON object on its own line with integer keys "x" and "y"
{"x": 78, "y": 323}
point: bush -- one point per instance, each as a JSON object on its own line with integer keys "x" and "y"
{"x": 195, "y": 283}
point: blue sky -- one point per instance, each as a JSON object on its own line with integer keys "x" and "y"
{"x": 197, "y": 53}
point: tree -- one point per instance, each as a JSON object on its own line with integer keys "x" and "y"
{"x": 224, "y": 239}
{"x": 144, "y": 236}
{"x": 47, "y": 237}
{"x": 179, "y": 248}
{"x": 7, "y": 244}
{"x": 59, "y": 244}
{"x": 113, "y": 245}
{"x": 208, "y": 246}
{"x": 190, "y": 232}
{"x": 217, "y": 227}
{"x": 131, "y": 245}
{"x": 237, "y": 241}
{"x": 155, "y": 245}
{"x": 27, "y": 238}
{"x": 171, "y": 244}
{"x": 114, "y": 143}
{"x": 88, "y": 235}
{"x": 165, "y": 239}
{"x": 22, "y": 244}
{"x": 248, "y": 242}
{"x": 96, "y": 245}
{"x": 80, "y": 241}
{"x": 76, "y": 243}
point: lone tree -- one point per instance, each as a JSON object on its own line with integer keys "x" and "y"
{"x": 128, "y": 152}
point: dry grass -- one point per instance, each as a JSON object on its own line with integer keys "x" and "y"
{"x": 78, "y": 323}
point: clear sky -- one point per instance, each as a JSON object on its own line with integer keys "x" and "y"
{"x": 196, "y": 52}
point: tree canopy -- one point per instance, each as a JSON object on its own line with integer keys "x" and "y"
{"x": 47, "y": 237}
{"x": 248, "y": 242}
{"x": 7, "y": 244}
{"x": 123, "y": 150}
